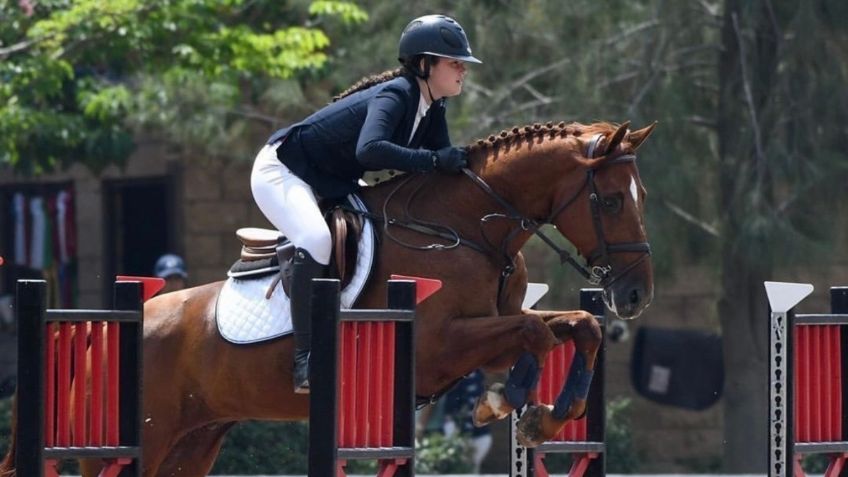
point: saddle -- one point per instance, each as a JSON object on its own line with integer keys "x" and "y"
{"x": 262, "y": 250}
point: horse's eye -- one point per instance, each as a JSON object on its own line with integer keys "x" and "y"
{"x": 611, "y": 203}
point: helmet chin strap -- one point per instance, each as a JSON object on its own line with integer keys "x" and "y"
{"x": 427, "y": 82}
{"x": 425, "y": 75}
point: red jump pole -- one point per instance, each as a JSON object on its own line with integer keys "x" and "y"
{"x": 363, "y": 384}
{"x": 63, "y": 393}
{"x": 50, "y": 380}
{"x": 96, "y": 423}
{"x": 379, "y": 385}
{"x": 112, "y": 384}
{"x": 80, "y": 436}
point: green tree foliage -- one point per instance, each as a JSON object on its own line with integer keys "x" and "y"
{"x": 271, "y": 448}
{"x": 75, "y": 76}
{"x": 264, "y": 448}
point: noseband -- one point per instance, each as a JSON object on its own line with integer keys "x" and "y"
{"x": 598, "y": 275}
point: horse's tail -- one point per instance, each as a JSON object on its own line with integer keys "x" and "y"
{"x": 7, "y": 465}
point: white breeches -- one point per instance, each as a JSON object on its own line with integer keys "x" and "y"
{"x": 289, "y": 204}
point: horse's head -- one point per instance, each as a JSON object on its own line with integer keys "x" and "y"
{"x": 602, "y": 211}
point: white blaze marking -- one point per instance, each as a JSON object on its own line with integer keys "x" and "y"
{"x": 611, "y": 303}
{"x": 633, "y": 190}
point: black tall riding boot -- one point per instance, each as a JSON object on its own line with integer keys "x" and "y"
{"x": 305, "y": 268}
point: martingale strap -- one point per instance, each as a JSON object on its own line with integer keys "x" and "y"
{"x": 423, "y": 229}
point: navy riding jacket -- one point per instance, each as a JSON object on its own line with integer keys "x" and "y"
{"x": 367, "y": 130}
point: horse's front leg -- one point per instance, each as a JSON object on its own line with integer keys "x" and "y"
{"x": 494, "y": 342}
{"x": 540, "y": 423}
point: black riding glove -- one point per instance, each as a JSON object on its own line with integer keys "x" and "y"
{"x": 450, "y": 159}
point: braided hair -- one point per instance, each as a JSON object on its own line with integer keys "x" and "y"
{"x": 370, "y": 81}
{"x": 410, "y": 69}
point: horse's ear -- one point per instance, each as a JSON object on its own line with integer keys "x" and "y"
{"x": 617, "y": 137}
{"x": 636, "y": 138}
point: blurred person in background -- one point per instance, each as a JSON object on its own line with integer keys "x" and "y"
{"x": 459, "y": 402}
{"x": 172, "y": 268}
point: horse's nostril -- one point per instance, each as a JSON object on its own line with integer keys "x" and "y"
{"x": 634, "y": 296}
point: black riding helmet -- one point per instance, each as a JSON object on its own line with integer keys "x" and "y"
{"x": 435, "y": 35}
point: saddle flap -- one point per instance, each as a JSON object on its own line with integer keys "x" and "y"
{"x": 345, "y": 228}
{"x": 259, "y": 238}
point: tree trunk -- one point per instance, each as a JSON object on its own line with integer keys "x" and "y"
{"x": 744, "y": 323}
{"x": 742, "y": 307}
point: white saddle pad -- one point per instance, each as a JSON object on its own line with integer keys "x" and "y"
{"x": 244, "y": 315}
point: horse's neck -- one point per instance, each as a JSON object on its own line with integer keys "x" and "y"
{"x": 459, "y": 203}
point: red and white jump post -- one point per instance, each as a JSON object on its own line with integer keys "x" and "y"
{"x": 808, "y": 357}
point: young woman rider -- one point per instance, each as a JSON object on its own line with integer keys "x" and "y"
{"x": 395, "y": 120}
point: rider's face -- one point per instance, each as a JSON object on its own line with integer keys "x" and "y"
{"x": 446, "y": 78}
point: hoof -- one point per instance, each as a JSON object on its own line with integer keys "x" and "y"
{"x": 491, "y": 406}
{"x": 538, "y": 424}
{"x": 530, "y": 429}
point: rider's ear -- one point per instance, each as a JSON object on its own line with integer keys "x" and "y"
{"x": 617, "y": 137}
{"x": 636, "y": 138}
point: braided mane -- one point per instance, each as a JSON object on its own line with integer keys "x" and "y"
{"x": 548, "y": 130}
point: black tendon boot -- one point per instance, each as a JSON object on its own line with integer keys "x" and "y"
{"x": 305, "y": 268}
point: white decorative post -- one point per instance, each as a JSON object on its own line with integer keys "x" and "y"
{"x": 520, "y": 458}
{"x": 782, "y": 299}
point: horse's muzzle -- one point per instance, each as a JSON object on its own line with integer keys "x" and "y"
{"x": 628, "y": 298}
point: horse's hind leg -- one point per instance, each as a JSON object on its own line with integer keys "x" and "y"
{"x": 540, "y": 423}
{"x": 195, "y": 453}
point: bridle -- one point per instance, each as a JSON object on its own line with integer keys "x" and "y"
{"x": 601, "y": 274}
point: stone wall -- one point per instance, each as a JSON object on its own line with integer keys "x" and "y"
{"x": 150, "y": 159}
{"x": 212, "y": 201}
{"x": 217, "y": 201}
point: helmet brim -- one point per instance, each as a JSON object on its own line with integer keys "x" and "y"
{"x": 465, "y": 58}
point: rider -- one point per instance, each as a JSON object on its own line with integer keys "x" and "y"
{"x": 394, "y": 120}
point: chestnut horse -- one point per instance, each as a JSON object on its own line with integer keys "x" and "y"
{"x": 582, "y": 179}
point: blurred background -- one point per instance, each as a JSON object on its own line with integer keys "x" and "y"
{"x": 128, "y": 129}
